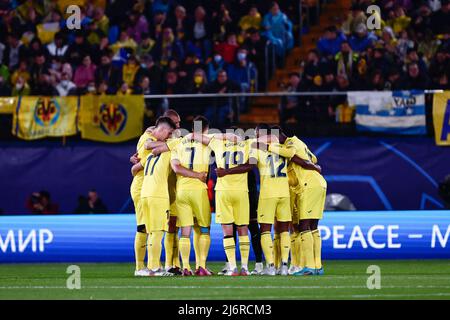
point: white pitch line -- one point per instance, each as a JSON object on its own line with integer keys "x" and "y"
{"x": 223, "y": 287}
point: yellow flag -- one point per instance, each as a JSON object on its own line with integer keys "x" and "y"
{"x": 111, "y": 118}
{"x": 7, "y": 104}
{"x": 39, "y": 117}
{"x": 441, "y": 118}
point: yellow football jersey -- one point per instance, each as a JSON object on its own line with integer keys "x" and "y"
{"x": 172, "y": 143}
{"x": 156, "y": 174}
{"x": 230, "y": 154}
{"x": 273, "y": 174}
{"x": 298, "y": 175}
{"x": 195, "y": 156}
{"x": 136, "y": 185}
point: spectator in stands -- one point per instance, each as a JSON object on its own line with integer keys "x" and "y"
{"x": 256, "y": 46}
{"x": 398, "y": 20}
{"x": 40, "y": 203}
{"x": 79, "y": 49}
{"x": 355, "y": 17}
{"x": 35, "y": 48}
{"x": 393, "y": 80}
{"x": 289, "y": 104}
{"x": 201, "y": 29}
{"x": 145, "y": 46}
{"x": 251, "y": 20}
{"x": 107, "y": 72}
{"x": 195, "y": 106}
{"x": 124, "y": 89}
{"x": 138, "y": 25}
{"x": 361, "y": 39}
{"x": 228, "y": 48}
{"x": 21, "y": 87}
{"x": 124, "y": 42}
{"x": 440, "y": 19}
{"x": 220, "y": 112}
{"x": 244, "y": 73}
{"x": 129, "y": 70}
{"x": 66, "y": 87}
{"x": 346, "y": 60}
{"x": 15, "y": 51}
{"x": 330, "y": 43}
{"x": 43, "y": 86}
{"x": 414, "y": 78}
{"x": 152, "y": 71}
{"x": 278, "y": 29}
{"x": 57, "y": 48}
{"x": 167, "y": 47}
{"x": 214, "y": 66}
{"x": 179, "y": 23}
{"x": 91, "y": 204}
{"x": 439, "y": 66}
{"x": 84, "y": 74}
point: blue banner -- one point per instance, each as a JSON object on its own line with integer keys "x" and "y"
{"x": 397, "y": 112}
{"x": 110, "y": 238}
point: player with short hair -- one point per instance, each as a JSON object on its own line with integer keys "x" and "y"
{"x": 155, "y": 193}
{"x": 172, "y": 261}
{"x": 190, "y": 161}
{"x": 274, "y": 202}
{"x": 310, "y": 188}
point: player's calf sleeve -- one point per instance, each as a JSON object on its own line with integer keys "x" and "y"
{"x": 244, "y": 248}
{"x": 267, "y": 247}
{"x": 256, "y": 240}
{"x": 285, "y": 246}
{"x": 276, "y": 250}
{"x": 176, "y": 252}
{"x": 169, "y": 240}
{"x": 307, "y": 247}
{"x": 185, "y": 250}
{"x": 317, "y": 248}
{"x": 204, "y": 243}
{"x": 140, "y": 246}
{"x": 230, "y": 250}
{"x": 155, "y": 249}
{"x": 196, "y": 238}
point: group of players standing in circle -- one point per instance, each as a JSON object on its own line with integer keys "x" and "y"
{"x": 170, "y": 193}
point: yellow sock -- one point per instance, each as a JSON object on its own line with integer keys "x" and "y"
{"x": 276, "y": 250}
{"x": 301, "y": 256}
{"x": 294, "y": 251}
{"x": 155, "y": 245}
{"x": 140, "y": 246}
{"x": 196, "y": 246}
{"x": 285, "y": 246}
{"x": 230, "y": 250}
{"x": 317, "y": 248}
{"x": 267, "y": 246}
{"x": 169, "y": 239}
{"x": 176, "y": 252}
{"x": 307, "y": 245}
{"x": 204, "y": 243}
{"x": 244, "y": 248}
{"x": 185, "y": 250}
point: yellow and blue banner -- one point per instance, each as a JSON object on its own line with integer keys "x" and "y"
{"x": 396, "y": 112}
{"x": 441, "y": 118}
{"x": 111, "y": 118}
{"x": 39, "y": 117}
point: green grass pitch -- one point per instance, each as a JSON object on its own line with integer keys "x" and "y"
{"x": 343, "y": 280}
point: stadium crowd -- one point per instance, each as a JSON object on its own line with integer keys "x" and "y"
{"x": 142, "y": 47}
{"x": 409, "y": 51}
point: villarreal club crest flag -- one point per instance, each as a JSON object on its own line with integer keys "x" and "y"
{"x": 40, "y": 117}
{"x": 111, "y": 118}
